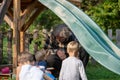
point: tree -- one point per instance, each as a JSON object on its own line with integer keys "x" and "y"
{"x": 47, "y": 19}
{"x": 105, "y": 14}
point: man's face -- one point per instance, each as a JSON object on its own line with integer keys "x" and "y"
{"x": 61, "y": 54}
{"x": 60, "y": 39}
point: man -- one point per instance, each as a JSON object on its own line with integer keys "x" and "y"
{"x": 60, "y": 37}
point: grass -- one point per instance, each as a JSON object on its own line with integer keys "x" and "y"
{"x": 98, "y": 72}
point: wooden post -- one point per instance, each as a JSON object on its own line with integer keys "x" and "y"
{"x": 22, "y": 41}
{"x": 16, "y": 32}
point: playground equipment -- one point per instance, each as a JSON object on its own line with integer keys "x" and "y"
{"x": 88, "y": 33}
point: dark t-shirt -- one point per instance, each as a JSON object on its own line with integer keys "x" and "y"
{"x": 54, "y": 61}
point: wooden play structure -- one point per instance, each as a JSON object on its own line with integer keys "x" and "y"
{"x": 19, "y": 15}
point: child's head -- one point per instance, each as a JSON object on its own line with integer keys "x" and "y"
{"x": 61, "y": 53}
{"x": 40, "y": 55}
{"x": 73, "y": 48}
{"x": 27, "y": 57}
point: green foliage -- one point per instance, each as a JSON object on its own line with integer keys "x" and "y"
{"x": 105, "y": 14}
{"x": 119, "y": 4}
{"x": 5, "y": 55}
{"x": 39, "y": 39}
{"x": 47, "y": 19}
{"x": 4, "y": 27}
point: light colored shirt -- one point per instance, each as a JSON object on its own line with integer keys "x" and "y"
{"x": 29, "y": 72}
{"x": 72, "y": 69}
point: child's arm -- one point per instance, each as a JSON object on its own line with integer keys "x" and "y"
{"x": 18, "y": 72}
{"x": 82, "y": 71}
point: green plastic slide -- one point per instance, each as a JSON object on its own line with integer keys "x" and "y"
{"x": 88, "y": 33}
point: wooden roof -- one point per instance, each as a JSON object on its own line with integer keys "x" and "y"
{"x": 25, "y": 3}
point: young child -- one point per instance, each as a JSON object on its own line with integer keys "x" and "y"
{"x": 42, "y": 64}
{"x": 28, "y": 71}
{"x": 72, "y": 67}
{"x": 40, "y": 61}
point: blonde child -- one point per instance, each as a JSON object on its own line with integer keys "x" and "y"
{"x": 72, "y": 67}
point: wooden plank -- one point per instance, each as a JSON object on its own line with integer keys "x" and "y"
{"x": 8, "y": 20}
{"x": 16, "y": 32}
{"x": 5, "y": 76}
{"x": 22, "y": 41}
{"x": 10, "y": 13}
{"x": 3, "y": 9}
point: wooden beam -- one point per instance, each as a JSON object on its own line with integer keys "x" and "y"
{"x": 32, "y": 18}
{"x": 22, "y": 41}
{"x": 3, "y": 9}
{"x": 16, "y": 32}
{"x": 8, "y": 20}
{"x": 27, "y": 12}
{"x": 10, "y": 13}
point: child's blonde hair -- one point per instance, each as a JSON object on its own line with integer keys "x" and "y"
{"x": 73, "y": 46}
